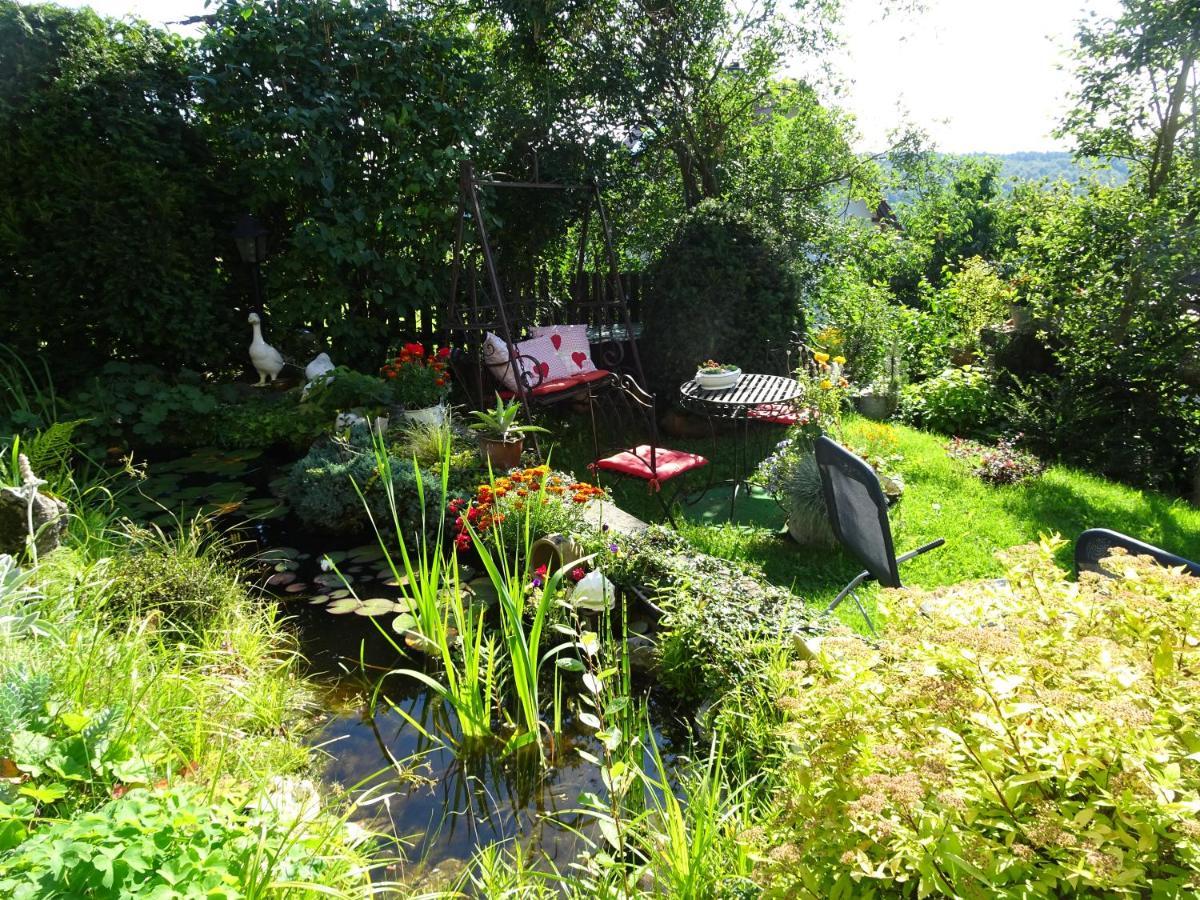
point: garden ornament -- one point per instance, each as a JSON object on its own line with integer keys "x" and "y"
{"x": 30, "y": 521}
{"x": 268, "y": 361}
{"x": 321, "y": 364}
{"x": 594, "y": 593}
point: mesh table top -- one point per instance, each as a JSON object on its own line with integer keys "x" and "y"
{"x": 750, "y": 391}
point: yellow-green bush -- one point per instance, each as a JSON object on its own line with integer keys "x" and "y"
{"x": 1033, "y": 737}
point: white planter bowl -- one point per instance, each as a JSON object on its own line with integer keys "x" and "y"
{"x": 718, "y": 382}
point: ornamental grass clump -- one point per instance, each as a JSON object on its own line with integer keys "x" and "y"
{"x": 1034, "y": 737}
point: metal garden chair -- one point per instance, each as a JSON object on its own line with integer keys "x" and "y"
{"x": 1096, "y": 544}
{"x": 627, "y": 420}
{"x": 858, "y": 514}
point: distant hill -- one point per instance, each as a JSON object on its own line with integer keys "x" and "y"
{"x": 1056, "y": 166}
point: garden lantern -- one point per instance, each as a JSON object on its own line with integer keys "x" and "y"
{"x": 251, "y": 238}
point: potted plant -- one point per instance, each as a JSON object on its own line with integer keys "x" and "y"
{"x": 791, "y": 475}
{"x": 715, "y": 376}
{"x": 501, "y": 437}
{"x": 419, "y": 383}
{"x": 881, "y": 398}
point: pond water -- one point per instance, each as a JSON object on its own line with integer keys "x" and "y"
{"x": 439, "y": 806}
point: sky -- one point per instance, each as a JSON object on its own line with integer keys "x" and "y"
{"x": 975, "y": 75}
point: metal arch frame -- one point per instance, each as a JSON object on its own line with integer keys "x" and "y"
{"x": 469, "y": 204}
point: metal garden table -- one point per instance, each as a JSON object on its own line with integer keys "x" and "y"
{"x": 734, "y": 404}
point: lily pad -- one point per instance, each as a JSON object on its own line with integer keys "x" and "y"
{"x": 344, "y": 605}
{"x": 404, "y": 622}
{"x": 318, "y": 600}
{"x": 275, "y": 554}
{"x": 333, "y": 579}
{"x": 296, "y": 588}
{"x": 281, "y": 579}
{"x": 287, "y": 565}
{"x": 393, "y": 582}
{"x": 339, "y": 594}
{"x": 376, "y": 606}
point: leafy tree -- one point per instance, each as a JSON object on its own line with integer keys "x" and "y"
{"x": 347, "y": 122}
{"x": 723, "y": 289}
{"x": 111, "y": 211}
{"x": 1138, "y": 80}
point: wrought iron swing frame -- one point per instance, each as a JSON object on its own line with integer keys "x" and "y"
{"x": 507, "y": 317}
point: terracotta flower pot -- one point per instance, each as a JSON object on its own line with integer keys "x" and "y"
{"x": 503, "y": 455}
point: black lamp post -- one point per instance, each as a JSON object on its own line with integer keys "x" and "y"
{"x": 251, "y": 238}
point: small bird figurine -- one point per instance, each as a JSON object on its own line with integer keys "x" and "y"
{"x": 320, "y": 365}
{"x": 267, "y": 360}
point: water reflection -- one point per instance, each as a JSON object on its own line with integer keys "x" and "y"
{"x": 442, "y": 806}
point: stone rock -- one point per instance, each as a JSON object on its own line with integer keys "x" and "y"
{"x": 643, "y": 654}
{"x": 49, "y": 521}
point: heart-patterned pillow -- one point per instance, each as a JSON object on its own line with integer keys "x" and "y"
{"x": 571, "y": 348}
{"x": 536, "y": 356}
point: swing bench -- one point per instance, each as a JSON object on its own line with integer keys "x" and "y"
{"x": 580, "y": 336}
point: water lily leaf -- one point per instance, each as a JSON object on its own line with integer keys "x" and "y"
{"x": 404, "y": 622}
{"x": 318, "y": 600}
{"x": 296, "y": 588}
{"x": 275, "y": 554}
{"x": 393, "y": 582}
{"x": 281, "y": 579}
{"x": 376, "y": 606}
{"x": 287, "y": 565}
{"x": 343, "y": 606}
{"x": 335, "y": 557}
{"x": 339, "y": 594}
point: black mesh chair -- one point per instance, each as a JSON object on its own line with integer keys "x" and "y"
{"x": 1097, "y": 544}
{"x": 858, "y": 514}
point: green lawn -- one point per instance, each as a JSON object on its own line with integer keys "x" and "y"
{"x": 942, "y": 499}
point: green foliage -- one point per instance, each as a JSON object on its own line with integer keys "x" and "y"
{"x": 303, "y": 93}
{"x": 1035, "y": 740}
{"x": 170, "y": 842}
{"x": 262, "y": 421}
{"x": 430, "y": 445}
{"x": 1133, "y": 70}
{"x": 323, "y": 488}
{"x": 728, "y": 271}
{"x": 959, "y": 401}
{"x": 187, "y": 578}
{"x": 111, "y": 209}
{"x": 864, "y": 318}
{"x": 1106, "y": 277}
{"x": 344, "y": 389}
{"x": 721, "y": 617}
{"x": 141, "y": 404}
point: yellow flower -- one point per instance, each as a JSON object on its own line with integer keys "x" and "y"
{"x": 826, "y": 384}
{"x": 840, "y": 360}
{"x": 822, "y": 358}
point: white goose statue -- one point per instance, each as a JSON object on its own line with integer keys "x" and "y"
{"x": 267, "y": 360}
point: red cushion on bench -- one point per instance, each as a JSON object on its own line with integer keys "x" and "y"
{"x": 636, "y": 462}
{"x": 557, "y": 385}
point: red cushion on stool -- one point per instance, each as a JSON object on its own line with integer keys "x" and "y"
{"x": 636, "y": 462}
{"x": 556, "y": 385}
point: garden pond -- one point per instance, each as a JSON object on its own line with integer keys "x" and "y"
{"x": 385, "y": 733}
